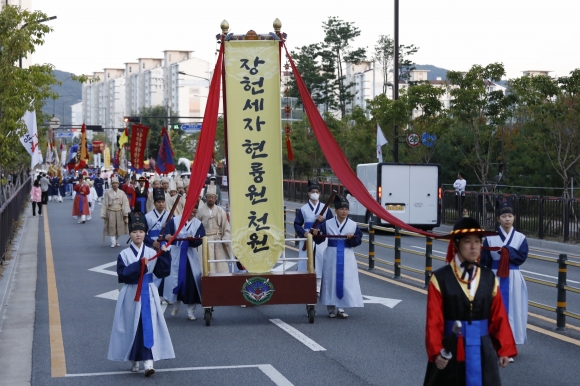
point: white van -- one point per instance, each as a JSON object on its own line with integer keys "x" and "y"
{"x": 410, "y": 192}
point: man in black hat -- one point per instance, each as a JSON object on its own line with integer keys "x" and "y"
{"x": 99, "y": 184}
{"x": 141, "y": 194}
{"x": 511, "y": 251}
{"x": 340, "y": 285}
{"x": 156, "y": 219}
{"x": 147, "y": 340}
{"x": 304, "y": 220}
{"x": 463, "y": 291}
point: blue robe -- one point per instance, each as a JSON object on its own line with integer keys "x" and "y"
{"x": 99, "y": 183}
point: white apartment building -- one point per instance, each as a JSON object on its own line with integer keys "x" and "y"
{"x": 177, "y": 81}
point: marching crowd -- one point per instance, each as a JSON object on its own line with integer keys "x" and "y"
{"x": 480, "y": 289}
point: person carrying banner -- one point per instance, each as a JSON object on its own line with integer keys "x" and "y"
{"x": 505, "y": 262}
{"x": 340, "y": 284}
{"x": 129, "y": 190}
{"x": 184, "y": 283}
{"x": 305, "y": 218}
{"x": 139, "y": 330}
{"x": 217, "y": 227}
{"x": 81, "y": 203}
{"x": 115, "y": 211}
{"x": 463, "y": 291}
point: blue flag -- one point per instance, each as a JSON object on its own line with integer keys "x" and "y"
{"x": 165, "y": 163}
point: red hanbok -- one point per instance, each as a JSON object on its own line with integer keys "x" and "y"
{"x": 81, "y": 203}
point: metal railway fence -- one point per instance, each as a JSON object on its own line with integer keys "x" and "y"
{"x": 10, "y": 213}
{"x": 397, "y": 265}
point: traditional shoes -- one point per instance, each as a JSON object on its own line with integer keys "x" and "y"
{"x": 149, "y": 370}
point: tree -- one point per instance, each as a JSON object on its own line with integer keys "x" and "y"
{"x": 384, "y": 57}
{"x": 22, "y": 88}
{"x": 477, "y": 113}
{"x": 549, "y": 113}
{"x": 307, "y": 60}
{"x": 336, "y": 50}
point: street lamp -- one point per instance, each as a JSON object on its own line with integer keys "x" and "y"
{"x": 26, "y": 25}
{"x": 194, "y": 76}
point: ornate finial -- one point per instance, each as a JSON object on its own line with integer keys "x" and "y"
{"x": 225, "y": 26}
{"x": 277, "y": 25}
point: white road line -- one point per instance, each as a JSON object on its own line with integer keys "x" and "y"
{"x": 101, "y": 269}
{"x": 551, "y": 277}
{"x": 268, "y": 370}
{"x": 298, "y": 335}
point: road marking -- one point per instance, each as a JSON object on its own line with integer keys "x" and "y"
{"x": 101, "y": 268}
{"x": 544, "y": 318}
{"x": 111, "y": 295}
{"x": 269, "y": 370}
{"x": 298, "y": 335}
{"x": 384, "y": 301}
{"x": 554, "y": 335}
{"x": 551, "y": 277}
{"x": 57, "y": 358}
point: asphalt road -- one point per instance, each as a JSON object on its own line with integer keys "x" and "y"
{"x": 376, "y": 345}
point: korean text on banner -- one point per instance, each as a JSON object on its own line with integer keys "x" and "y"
{"x": 255, "y": 152}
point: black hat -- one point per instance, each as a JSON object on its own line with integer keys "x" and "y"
{"x": 313, "y": 185}
{"x": 158, "y": 194}
{"x": 137, "y": 222}
{"x": 467, "y": 226}
{"x": 340, "y": 202}
{"x": 504, "y": 204}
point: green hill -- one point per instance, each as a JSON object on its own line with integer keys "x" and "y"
{"x": 70, "y": 93}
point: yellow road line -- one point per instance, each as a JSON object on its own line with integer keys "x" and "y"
{"x": 554, "y": 335}
{"x": 57, "y": 358}
{"x": 392, "y": 281}
{"x": 546, "y": 319}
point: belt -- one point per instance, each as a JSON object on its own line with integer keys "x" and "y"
{"x": 148, "y": 339}
{"x": 340, "y": 245}
{"x": 472, "y": 333}
{"x": 213, "y": 233}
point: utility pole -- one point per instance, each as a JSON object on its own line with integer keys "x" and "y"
{"x": 396, "y": 79}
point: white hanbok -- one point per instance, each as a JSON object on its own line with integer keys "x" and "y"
{"x": 128, "y": 311}
{"x": 193, "y": 228}
{"x": 513, "y": 289}
{"x": 352, "y": 296}
{"x": 304, "y": 220}
{"x": 92, "y": 197}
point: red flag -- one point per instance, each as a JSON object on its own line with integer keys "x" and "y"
{"x": 82, "y": 156}
{"x": 138, "y": 145}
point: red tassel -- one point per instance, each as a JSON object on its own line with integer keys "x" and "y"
{"x": 460, "y": 349}
{"x": 289, "y": 148}
{"x": 503, "y": 269}
{"x": 143, "y": 267}
{"x": 450, "y": 252}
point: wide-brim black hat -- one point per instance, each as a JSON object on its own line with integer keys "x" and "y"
{"x": 137, "y": 222}
{"x": 465, "y": 227}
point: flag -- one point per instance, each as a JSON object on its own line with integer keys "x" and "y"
{"x": 124, "y": 138}
{"x": 138, "y": 145}
{"x": 107, "y": 157}
{"x": 63, "y": 154}
{"x": 30, "y": 139}
{"x": 165, "y": 163}
{"x": 381, "y": 140}
{"x": 82, "y": 157}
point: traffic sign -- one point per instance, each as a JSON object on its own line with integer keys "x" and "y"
{"x": 191, "y": 126}
{"x": 428, "y": 139}
{"x": 64, "y": 135}
{"x": 413, "y": 139}
{"x": 54, "y": 123}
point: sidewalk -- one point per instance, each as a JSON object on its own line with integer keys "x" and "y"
{"x": 18, "y": 303}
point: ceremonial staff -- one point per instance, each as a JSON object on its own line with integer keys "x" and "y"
{"x": 159, "y": 239}
{"x": 315, "y": 225}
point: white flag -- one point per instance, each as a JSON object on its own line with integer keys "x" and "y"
{"x": 381, "y": 140}
{"x": 30, "y": 139}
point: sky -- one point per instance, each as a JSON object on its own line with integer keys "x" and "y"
{"x": 91, "y": 35}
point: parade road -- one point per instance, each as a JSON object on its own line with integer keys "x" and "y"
{"x": 381, "y": 344}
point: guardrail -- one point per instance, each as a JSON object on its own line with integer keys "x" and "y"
{"x": 397, "y": 265}
{"x": 10, "y": 213}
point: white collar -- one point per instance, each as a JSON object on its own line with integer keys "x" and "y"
{"x": 139, "y": 250}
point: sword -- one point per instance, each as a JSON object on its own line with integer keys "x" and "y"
{"x": 445, "y": 352}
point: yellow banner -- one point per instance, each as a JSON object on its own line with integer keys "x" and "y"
{"x": 107, "y": 157}
{"x": 255, "y": 152}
